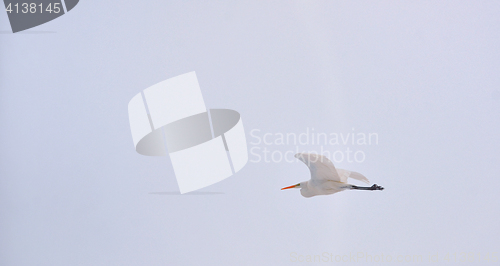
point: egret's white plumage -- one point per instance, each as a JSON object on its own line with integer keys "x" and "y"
{"x": 325, "y": 178}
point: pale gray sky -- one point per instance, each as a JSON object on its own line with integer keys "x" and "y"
{"x": 423, "y": 76}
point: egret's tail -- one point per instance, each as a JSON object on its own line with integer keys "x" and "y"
{"x": 344, "y": 174}
{"x": 360, "y": 177}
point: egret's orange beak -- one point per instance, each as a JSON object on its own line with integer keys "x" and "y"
{"x": 290, "y": 186}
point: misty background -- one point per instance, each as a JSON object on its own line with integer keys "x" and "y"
{"x": 424, "y": 76}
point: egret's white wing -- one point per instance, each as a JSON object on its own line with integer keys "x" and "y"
{"x": 320, "y": 166}
{"x": 352, "y": 174}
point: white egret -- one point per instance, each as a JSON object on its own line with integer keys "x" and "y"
{"x": 325, "y": 179}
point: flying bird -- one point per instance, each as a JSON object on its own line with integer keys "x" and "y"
{"x": 325, "y": 179}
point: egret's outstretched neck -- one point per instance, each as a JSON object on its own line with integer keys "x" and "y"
{"x": 374, "y": 187}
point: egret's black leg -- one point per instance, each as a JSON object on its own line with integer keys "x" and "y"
{"x": 374, "y": 187}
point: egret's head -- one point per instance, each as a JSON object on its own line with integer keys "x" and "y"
{"x": 293, "y": 186}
